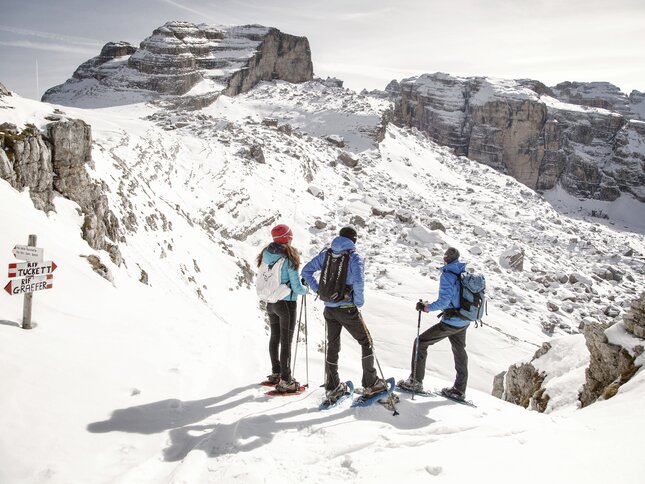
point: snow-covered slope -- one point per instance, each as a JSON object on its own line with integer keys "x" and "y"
{"x": 126, "y": 382}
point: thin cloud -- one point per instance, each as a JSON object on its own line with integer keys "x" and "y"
{"x": 188, "y": 9}
{"x": 29, "y": 44}
{"x": 50, "y": 36}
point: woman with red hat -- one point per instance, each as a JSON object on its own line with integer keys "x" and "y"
{"x": 282, "y": 314}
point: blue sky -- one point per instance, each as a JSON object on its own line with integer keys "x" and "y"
{"x": 365, "y": 43}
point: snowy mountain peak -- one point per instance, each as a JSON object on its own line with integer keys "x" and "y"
{"x": 186, "y": 65}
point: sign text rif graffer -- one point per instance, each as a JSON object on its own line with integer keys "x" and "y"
{"x": 29, "y": 284}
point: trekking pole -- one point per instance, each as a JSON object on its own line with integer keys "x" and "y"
{"x": 416, "y": 350}
{"x": 371, "y": 341}
{"x": 306, "y": 341}
{"x": 295, "y": 355}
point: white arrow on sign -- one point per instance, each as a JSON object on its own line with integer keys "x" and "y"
{"x": 26, "y": 252}
{"x": 31, "y": 269}
{"x": 29, "y": 284}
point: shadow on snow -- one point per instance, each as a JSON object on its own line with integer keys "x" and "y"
{"x": 249, "y": 432}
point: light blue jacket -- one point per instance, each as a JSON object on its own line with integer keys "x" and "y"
{"x": 449, "y": 293}
{"x": 355, "y": 272}
{"x": 289, "y": 275}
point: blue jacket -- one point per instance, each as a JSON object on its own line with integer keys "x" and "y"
{"x": 289, "y": 275}
{"x": 355, "y": 272}
{"x": 449, "y": 293}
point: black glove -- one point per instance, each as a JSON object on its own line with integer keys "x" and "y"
{"x": 304, "y": 283}
{"x": 421, "y": 306}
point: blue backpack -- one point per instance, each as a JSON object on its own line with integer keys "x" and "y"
{"x": 472, "y": 296}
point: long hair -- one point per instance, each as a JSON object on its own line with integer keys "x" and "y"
{"x": 291, "y": 252}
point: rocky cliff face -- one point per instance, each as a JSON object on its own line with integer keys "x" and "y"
{"x": 521, "y": 128}
{"x": 55, "y": 161}
{"x": 187, "y": 65}
{"x": 3, "y": 90}
{"x": 610, "y": 365}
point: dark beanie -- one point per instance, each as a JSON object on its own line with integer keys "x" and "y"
{"x": 349, "y": 232}
{"x": 450, "y": 255}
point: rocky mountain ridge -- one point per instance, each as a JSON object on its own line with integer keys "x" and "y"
{"x": 186, "y": 65}
{"x": 543, "y": 137}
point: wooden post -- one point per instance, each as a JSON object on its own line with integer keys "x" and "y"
{"x": 26, "y": 307}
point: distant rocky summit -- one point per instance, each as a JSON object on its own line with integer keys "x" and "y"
{"x": 186, "y": 65}
{"x": 587, "y": 137}
{"x": 3, "y": 90}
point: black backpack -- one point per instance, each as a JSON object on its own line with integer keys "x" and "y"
{"x": 332, "y": 286}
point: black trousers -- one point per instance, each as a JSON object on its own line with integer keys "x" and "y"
{"x": 282, "y": 319}
{"x": 457, "y": 338}
{"x": 350, "y": 319}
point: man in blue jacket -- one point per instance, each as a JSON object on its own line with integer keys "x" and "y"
{"x": 451, "y": 326}
{"x": 345, "y": 314}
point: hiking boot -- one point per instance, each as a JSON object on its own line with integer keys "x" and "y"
{"x": 339, "y": 391}
{"x": 411, "y": 385}
{"x": 274, "y": 378}
{"x": 287, "y": 386}
{"x": 379, "y": 386}
{"x": 453, "y": 393}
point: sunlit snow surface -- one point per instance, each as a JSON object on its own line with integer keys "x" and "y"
{"x": 129, "y": 383}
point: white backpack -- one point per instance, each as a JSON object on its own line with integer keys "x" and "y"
{"x": 268, "y": 284}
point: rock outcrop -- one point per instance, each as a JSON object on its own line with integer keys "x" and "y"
{"x": 4, "y": 91}
{"x": 634, "y": 320}
{"x": 522, "y": 129}
{"x": 187, "y": 65}
{"x": 56, "y": 162}
{"x": 610, "y": 365}
{"x": 522, "y": 384}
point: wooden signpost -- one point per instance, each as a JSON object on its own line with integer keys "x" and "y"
{"x": 27, "y": 277}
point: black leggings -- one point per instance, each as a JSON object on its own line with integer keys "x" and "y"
{"x": 282, "y": 319}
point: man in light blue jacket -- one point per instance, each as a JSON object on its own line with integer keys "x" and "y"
{"x": 345, "y": 314}
{"x": 451, "y": 326}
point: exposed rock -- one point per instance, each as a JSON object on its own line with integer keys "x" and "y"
{"x": 405, "y": 216}
{"x": 57, "y": 162}
{"x": 178, "y": 56}
{"x": 513, "y": 127}
{"x": 348, "y": 159}
{"x": 594, "y": 94}
{"x": 28, "y": 164}
{"x": 270, "y": 122}
{"x": 436, "y": 225}
{"x": 256, "y": 153}
{"x": 71, "y": 152}
{"x": 319, "y": 224}
{"x": 610, "y": 365}
{"x": 357, "y": 221}
{"x": 634, "y": 319}
{"x": 331, "y": 82}
{"x": 98, "y": 267}
{"x": 4, "y": 91}
{"x": 382, "y": 211}
{"x": 336, "y": 140}
{"x": 316, "y": 192}
{"x": 110, "y": 53}
{"x": 512, "y": 258}
{"x": 522, "y": 384}
{"x": 6, "y": 166}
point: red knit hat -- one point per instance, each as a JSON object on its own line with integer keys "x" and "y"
{"x": 281, "y": 234}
